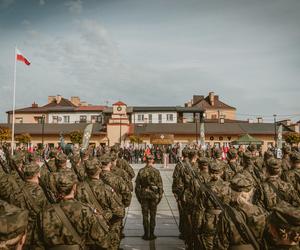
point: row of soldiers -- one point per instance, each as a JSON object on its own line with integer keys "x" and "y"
{"x": 245, "y": 202}
{"x": 68, "y": 202}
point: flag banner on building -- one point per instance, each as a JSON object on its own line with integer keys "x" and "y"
{"x": 21, "y": 57}
{"x": 202, "y": 135}
{"x": 86, "y": 136}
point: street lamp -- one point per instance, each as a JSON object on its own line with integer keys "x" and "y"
{"x": 43, "y": 128}
{"x": 196, "y": 128}
{"x": 120, "y": 131}
{"x": 275, "y": 130}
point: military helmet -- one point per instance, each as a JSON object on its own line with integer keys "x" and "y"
{"x": 65, "y": 182}
{"x": 192, "y": 153}
{"x": 286, "y": 149}
{"x": 61, "y": 158}
{"x": 31, "y": 169}
{"x": 105, "y": 159}
{"x": 295, "y": 157}
{"x": 240, "y": 183}
{"x": 273, "y": 166}
{"x": 92, "y": 166}
{"x": 215, "y": 167}
{"x": 115, "y": 148}
{"x": 268, "y": 154}
{"x": 185, "y": 152}
{"x": 203, "y": 161}
{"x": 232, "y": 153}
{"x": 13, "y": 221}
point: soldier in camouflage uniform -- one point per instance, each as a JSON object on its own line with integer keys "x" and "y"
{"x": 257, "y": 160}
{"x": 293, "y": 176}
{"x": 283, "y": 228}
{"x": 274, "y": 189}
{"x": 122, "y": 163}
{"x": 222, "y": 190}
{"x": 149, "y": 192}
{"x": 114, "y": 181}
{"x": 101, "y": 196}
{"x": 13, "y": 221}
{"x": 233, "y": 165}
{"x": 30, "y": 197}
{"x": 178, "y": 188}
{"x": 78, "y": 166}
{"x": 227, "y": 172}
{"x": 286, "y": 160}
{"x": 120, "y": 172}
{"x": 203, "y": 169}
{"x": 228, "y": 234}
{"x": 70, "y": 224}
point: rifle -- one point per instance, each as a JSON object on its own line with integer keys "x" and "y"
{"x": 5, "y": 166}
{"x": 48, "y": 193}
{"x": 242, "y": 228}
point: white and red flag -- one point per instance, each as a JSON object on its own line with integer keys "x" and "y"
{"x": 21, "y": 57}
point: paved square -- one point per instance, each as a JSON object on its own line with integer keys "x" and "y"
{"x": 166, "y": 220}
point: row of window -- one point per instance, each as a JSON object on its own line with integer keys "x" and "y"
{"x": 141, "y": 118}
{"x": 82, "y": 118}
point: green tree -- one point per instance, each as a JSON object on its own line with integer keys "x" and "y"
{"x": 5, "y": 134}
{"x": 76, "y": 137}
{"x": 23, "y": 138}
{"x": 292, "y": 138}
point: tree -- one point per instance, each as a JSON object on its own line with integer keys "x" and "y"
{"x": 23, "y": 138}
{"x": 5, "y": 134}
{"x": 135, "y": 139}
{"x": 292, "y": 138}
{"x": 76, "y": 137}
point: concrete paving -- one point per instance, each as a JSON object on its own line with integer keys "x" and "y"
{"x": 167, "y": 219}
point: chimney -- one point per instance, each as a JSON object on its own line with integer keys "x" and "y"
{"x": 34, "y": 105}
{"x": 83, "y": 104}
{"x": 197, "y": 98}
{"x": 58, "y": 98}
{"x": 75, "y": 100}
{"x": 51, "y": 98}
{"x": 211, "y": 98}
{"x": 259, "y": 120}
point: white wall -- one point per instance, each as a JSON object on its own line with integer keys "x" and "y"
{"x": 134, "y": 117}
{"x": 74, "y": 117}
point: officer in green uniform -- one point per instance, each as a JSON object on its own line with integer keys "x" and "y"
{"x": 149, "y": 191}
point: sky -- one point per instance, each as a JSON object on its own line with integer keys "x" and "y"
{"x": 158, "y": 52}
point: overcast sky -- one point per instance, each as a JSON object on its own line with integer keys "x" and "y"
{"x": 154, "y": 52}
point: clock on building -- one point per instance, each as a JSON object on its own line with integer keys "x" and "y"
{"x": 119, "y": 108}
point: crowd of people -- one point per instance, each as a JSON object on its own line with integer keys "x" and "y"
{"x": 53, "y": 199}
{"x": 247, "y": 201}
{"x": 74, "y": 201}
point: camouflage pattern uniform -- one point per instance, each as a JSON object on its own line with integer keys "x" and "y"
{"x": 293, "y": 176}
{"x": 273, "y": 190}
{"x": 52, "y": 231}
{"x": 13, "y": 221}
{"x": 283, "y": 226}
{"x": 30, "y": 197}
{"x": 107, "y": 201}
{"x": 286, "y": 160}
{"x": 114, "y": 181}
{"x": 233, "y": 164}
{"x": 210, "y": 219}
{"x": 254, "y": 217}
{"x": 149, "y": 191}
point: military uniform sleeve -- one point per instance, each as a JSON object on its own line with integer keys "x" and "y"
{"x": 221, "y": 240}
{"x": 138, "y": 186}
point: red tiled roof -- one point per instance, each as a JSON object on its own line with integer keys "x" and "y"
{"x": 119, "y": 103}
{"x": 205, "y": 104}
{"x": 63, "y": 102}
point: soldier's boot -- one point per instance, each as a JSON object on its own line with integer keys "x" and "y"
{"x": 152, "y": 235}
{"x": 146, "y": 231}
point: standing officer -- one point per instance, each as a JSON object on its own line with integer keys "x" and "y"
{"x": 149, "y": 191}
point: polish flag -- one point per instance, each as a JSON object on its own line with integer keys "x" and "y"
{"x": 21, "y": 58}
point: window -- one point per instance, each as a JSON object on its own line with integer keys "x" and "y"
{"x": 213, "y": 116}
{"x": 140, "y": 118}
{"x": 66, "y": 119}
{"x": 169, "y": 117}
{"x": 159, "y": 118}
{"x": 96, "y": 118}
{"x": 150, "y": 118}
{"x": 19, "y": 120}
{"x": 83, "y": 118}
{"x": 54, "y": 119}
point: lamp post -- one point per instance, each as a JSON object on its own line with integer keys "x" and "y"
{"x": 275, "y": 130}
{"x": 43, "y": 128}
{"x": 196, "y": 134}
{"x": 120, "y": 131}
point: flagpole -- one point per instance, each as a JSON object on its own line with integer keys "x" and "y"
{"x": 14, "y": 106}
